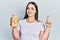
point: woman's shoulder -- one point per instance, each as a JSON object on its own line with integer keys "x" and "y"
{"x": 40, "y": 22}
{"x": 21, "y": 21}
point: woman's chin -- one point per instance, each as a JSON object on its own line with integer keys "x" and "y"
{"x": 30, "y": 15}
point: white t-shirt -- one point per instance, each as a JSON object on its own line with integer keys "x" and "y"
{"x": 30, "y": 31}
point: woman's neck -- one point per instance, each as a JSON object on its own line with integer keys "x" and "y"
{"x": 31, "y": 19}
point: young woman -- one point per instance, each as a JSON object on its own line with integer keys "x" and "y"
{"x": 30, "y": 28}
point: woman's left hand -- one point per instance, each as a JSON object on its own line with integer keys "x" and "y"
{"x": 48, "y": 22}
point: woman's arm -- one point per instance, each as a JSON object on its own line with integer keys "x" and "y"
{"x": 16, "y": 33}
{"x": 44, "y": 35}
{"x": 14, "y": 23}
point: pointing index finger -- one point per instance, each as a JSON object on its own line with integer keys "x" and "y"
{"x": 47, "y": 18}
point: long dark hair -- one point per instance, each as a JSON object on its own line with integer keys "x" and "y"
{"x": 36, "y": 14}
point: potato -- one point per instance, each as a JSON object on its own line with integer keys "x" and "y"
{"x": 14, "y": 20}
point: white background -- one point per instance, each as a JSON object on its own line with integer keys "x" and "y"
{"x": 46, "y": 7}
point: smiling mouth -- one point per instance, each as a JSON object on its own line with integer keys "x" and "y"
{"x": 29, "y": 13}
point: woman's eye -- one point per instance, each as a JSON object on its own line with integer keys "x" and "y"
{"x": 32, "y": 8}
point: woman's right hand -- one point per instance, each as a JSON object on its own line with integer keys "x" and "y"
{"x": 14, "y": 21}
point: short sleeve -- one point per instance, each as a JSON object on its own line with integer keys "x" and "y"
{"x": 18, "y": 26}
{"x": 42, "y": 28}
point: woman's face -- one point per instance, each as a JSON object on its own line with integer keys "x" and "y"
{"x": 31, "y": 10}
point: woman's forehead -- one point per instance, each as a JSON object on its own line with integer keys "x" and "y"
{"x": 31, "y": 5}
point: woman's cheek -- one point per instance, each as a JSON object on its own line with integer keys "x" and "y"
{"x": 30, "y": 13}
